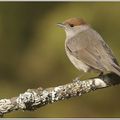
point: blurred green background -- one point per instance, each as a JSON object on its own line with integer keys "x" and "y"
{"x": 32, "y": 54}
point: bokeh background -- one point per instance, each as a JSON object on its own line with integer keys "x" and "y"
{"x": 32, "y": 54}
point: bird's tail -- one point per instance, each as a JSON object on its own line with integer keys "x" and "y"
{"x": 116, "y": 69}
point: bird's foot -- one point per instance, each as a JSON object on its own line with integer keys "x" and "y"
{"x": 76, "y": 79}
{"x": 101, "y": 74}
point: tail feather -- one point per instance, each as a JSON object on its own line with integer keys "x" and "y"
{"x": 116, "y": 69}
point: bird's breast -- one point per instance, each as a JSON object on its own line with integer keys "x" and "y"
{"x": 77, "y": 63}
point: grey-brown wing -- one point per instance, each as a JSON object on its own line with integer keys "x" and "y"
{"x": 89, "y": 47}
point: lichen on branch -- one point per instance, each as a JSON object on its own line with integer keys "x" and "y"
{"x": 36, "y": 98}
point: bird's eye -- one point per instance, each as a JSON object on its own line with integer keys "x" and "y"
{"x": 71, "y": 25}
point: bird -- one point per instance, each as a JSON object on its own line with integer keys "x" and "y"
{"x": 86, "y": 49}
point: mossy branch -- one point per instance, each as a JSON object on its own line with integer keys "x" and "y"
{"x": 36, "y": 98}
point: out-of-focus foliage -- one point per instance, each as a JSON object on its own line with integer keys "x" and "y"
{"x": 32, "y": 54}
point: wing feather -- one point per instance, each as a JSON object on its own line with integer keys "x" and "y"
{"x": 89, "y": 47}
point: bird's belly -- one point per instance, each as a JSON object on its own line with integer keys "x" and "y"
{"x": 77, "y": 63}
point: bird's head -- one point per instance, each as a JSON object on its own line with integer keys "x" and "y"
{"x": 72, "y": 22}
{"x": 73, "y": 25}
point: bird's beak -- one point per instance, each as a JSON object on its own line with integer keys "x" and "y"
{"x": 62, "y": 25}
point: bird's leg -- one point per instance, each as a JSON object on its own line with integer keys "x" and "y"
{"x": 76, "y": 79}
{"x": 101, "y": 74}
{"x": 79, "y": 77}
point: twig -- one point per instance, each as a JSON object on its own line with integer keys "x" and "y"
{"x": 36, "y": 98}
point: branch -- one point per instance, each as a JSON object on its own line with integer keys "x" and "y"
{"x": 36, "y": 98}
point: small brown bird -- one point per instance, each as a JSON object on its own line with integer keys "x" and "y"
{"x": 86, "y": 49}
